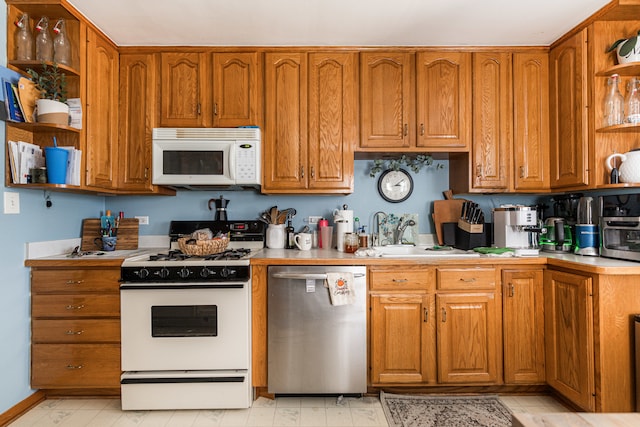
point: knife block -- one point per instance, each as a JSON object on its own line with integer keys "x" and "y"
{"x": 469, "y": 236}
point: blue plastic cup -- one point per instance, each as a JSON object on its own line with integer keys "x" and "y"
{"x": 56, "y": 159}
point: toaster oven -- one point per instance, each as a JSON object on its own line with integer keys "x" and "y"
{"x": 620, "y": 226}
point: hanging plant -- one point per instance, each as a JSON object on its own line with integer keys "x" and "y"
{"x": 415, "y": 163}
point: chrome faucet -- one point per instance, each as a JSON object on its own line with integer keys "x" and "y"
{"x": 374, "y": 235}
{"x": 401, "y": 228}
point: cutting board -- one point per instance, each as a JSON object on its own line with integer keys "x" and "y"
{"x": 445, "y": 211}
{"x": 127, "y": 233}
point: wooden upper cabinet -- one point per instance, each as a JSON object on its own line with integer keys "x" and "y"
{"x": 443, "y": 101}
{"x": 102, "y": 111}
{"x": 531, "y": 121}
{"x": 569, "y": 119}
{"x": 492, "y": 121}
{"x": 310, "y": 123}
{"x": 138, "y": 96}
{"x": 386, "y": 100}
{"x": 185, "y": 89}
{"x": 236, "y": 89}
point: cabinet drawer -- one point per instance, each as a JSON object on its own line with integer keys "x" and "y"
{"x": 88, "y": 280}
{"x": 75, "y": 306}
{"x": 466, "y": 278}
{"x": 406, "y": 277}
{"x": 75, "y": 331}
{"x": 75, "y": 365}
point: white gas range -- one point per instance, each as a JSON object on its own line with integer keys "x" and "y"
{"x": 186, "y": 323}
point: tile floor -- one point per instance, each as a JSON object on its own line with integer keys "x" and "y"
{"x": 284, "y": 411}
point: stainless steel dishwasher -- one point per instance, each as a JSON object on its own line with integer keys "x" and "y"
{"x": 315, "y": 347}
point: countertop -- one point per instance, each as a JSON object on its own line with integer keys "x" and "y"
{"x": 578, "y": 419}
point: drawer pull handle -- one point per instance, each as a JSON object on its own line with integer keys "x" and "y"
{"x": 74, "y": 366}
{"x": 74, "y": 282}
{"x": 75, "y": 307}
{"x": 74, "y": 332}
{"x": 473, "y": 279}
{"x": 399, "y": 280}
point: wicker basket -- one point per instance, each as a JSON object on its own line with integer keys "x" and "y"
{"x": 207, "y": 247}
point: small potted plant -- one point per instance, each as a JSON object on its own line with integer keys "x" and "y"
{"x": 628, "y": 50}
{"x": 52, "y": 84}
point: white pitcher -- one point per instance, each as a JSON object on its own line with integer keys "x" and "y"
{"x": 629, "y": 170}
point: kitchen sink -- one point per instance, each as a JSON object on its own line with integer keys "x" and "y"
{"x": 411, "y": 251}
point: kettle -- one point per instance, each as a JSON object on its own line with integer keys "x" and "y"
{"x": 221, "y": 208}
{"x": 629, "y": 170}
{"x": 556, "y": 235}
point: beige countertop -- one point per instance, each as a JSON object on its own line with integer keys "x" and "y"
{"x": 578, "y": 419}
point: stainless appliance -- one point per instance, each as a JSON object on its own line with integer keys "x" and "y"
{"x": 620, "y": 226}
{"x": 586, "y": 229}
{"x": 227, "y": 157}
{"x": 515, "y": 226}
{"x": 566, "y": 206}
{"x": 185, "y": 323}
{"x": 315, "y": 347}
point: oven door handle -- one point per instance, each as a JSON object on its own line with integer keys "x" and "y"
{"x": 307, "y": 276}
{"x": 125, "y": 286}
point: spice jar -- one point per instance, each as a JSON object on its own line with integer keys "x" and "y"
{"x": 350, "y": 242}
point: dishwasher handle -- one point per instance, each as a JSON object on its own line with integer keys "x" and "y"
{"x": 307, "y": 276}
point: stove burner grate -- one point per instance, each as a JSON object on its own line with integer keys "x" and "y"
{"x": 177, "y": 255}
{"x": 228, "y": 254}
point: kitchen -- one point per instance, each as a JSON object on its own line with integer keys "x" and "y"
{"x": 62, "y": 220}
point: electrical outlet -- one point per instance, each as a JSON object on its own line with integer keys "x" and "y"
{"x": 11, "y": 202}
{"x": 143, "y": 220}
{"x": 313, "y": 219}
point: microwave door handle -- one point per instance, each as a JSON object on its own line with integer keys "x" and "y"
{"x": 232, "y": 161}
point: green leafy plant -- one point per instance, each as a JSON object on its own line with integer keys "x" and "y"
{"x": 50, "y": 81}
{"x": 415, "y": 163}
{"x": 627, "y": 45}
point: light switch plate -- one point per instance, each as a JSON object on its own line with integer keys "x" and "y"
{"x": 11, "y": 202}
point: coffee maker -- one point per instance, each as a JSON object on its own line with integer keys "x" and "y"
{"x": 515, "y": 226}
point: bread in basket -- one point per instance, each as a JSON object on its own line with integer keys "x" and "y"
{"x": 190, "y": 246}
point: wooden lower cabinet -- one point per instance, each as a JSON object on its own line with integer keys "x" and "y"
{"x": 75, "y": 329}
{"x": 523, "y": 326}
{"x": 569, "y": 336}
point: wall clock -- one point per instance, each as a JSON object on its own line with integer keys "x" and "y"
{"x": 395, "y": 186}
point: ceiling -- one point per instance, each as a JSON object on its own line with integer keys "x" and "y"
{"x": 336, "y": 22}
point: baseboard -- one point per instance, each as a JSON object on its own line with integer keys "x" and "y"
{"x": 21, "y": 408}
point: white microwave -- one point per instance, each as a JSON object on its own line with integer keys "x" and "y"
{"x": 186, "y": 157}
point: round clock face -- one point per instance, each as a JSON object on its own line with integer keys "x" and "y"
{"x": 395, "y": 186}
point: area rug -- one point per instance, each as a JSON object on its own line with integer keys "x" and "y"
{"x": 444, "y": 411}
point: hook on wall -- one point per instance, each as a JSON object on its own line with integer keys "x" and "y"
{"x": 47, "y": 199}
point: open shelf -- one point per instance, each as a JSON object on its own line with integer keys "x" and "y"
{"x": 625, "y": 127}
{"x": 630, "y": 69}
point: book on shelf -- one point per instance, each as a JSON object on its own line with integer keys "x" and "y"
{"x": 24, "y": 156}
{"x": 14, "y": 112}
{"x": 7, "y": 75}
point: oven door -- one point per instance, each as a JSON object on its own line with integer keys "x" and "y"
{"x": 190, "y": 327}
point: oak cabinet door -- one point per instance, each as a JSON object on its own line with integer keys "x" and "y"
{"x": 138, "y": 95}
{"x": 185, "y": 89}
{"x": 469, "y": 339}
{"x": 386, "y": 100}
{"x": 569, "y": 340}
{"x": 523, "y": 326}
{"x": 443, "y": 100}
{"x": 236, "y": 89}
{"x": 492, "y": 121}
{"x": 569, "y": 119}
{"x": 531, "y": 121}
{"x": 102, "y": 111}
{"x": 402, "y": 339}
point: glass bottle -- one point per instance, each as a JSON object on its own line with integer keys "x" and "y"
{"x": 61, "y": 45}
{"x": 44, "y": 44}
{"x": 632, "y": 103}
{"x": 291, "y": 243}
{"x": 24, "y": 39}
{"x": 613, "y": 103}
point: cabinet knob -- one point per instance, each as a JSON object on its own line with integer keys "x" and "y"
{"x": 74, "y": 332}
{"x": 444, "y": 315}
{"x": 74, "y": 282}
{"x": 406, "y": 129}
{"x": 479, "y": 171}
{"x": 426, "y": 315}
{"x": 313, "y": 173}
{"x": 215, "y": 109}
{"x": 199, "y": 109}
{"x": 399, "y": 280}
{"x": 511, "y": 290}
{"x": 74, "y": 366}
{"x": 421, "y": 129}
{"x": 522, "y": 175}
{"x": 301, "y": 171}
{"x": 75, "y": 307}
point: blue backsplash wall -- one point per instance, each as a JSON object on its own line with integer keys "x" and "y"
{"x": 429, "y": 185}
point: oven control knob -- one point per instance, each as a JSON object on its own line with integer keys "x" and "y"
{"x": 163, "y": 272}
{"x": 184, "y": 272}
{"x": 143, "y": 273}
{"x": 205, "y": 272}
{"x": 227, "y": 272}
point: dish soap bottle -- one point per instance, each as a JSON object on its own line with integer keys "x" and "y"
{"x": 613, "y": 112}
{"x": 24, "y": 39}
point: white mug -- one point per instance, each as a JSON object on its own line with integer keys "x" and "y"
{"x": 303, "y": 241}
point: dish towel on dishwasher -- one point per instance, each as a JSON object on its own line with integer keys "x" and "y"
{"x": 341, "y": 288}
